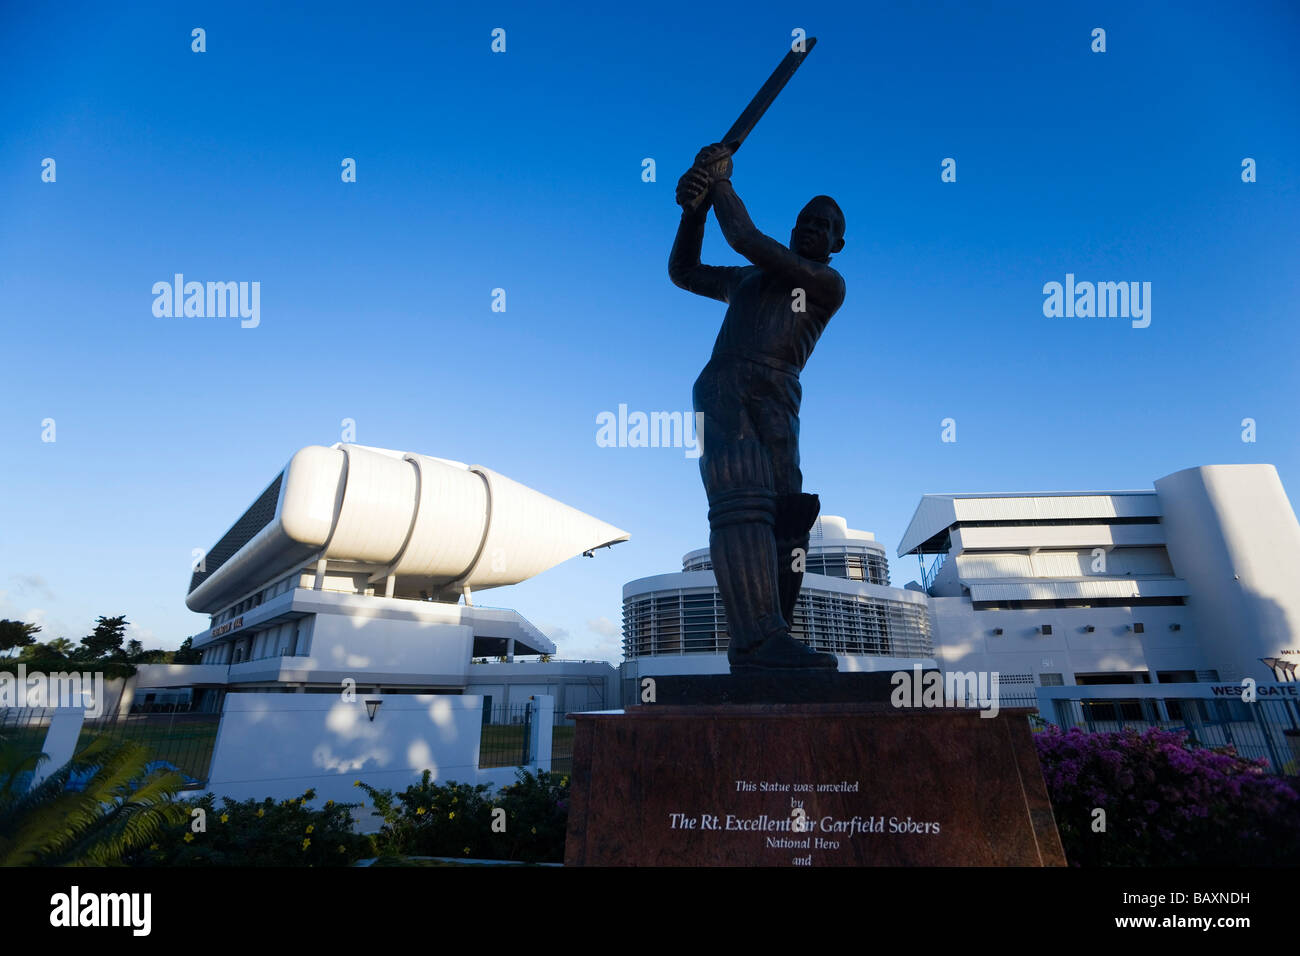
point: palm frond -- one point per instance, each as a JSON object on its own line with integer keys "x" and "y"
{"x": 120, "y": 807}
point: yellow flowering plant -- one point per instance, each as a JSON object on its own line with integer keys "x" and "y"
{"x": 270, "y": 832}
{"x": 460, "y": 820}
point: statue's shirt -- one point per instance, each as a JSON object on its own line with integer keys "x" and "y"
{"x": 763, "y": 320}
{"x": 777, "y": 306}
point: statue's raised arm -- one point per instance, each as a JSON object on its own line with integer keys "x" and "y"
{"x": 684, "y": 267}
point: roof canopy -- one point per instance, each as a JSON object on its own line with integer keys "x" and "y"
{"x": 936, "y": 514}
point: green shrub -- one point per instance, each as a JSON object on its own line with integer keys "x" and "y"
{"x": 524, "y": 821}
{"x": 537, "y": 817}
{"x": 428, "y": 819}
{"x": 261, "y": 833}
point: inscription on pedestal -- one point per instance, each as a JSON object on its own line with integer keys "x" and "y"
{"x": 820, "y": 785}
{"x": 806, "y": 838}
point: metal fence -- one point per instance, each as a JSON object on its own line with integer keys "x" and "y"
{"x": 507, "y": 735}
{"x": 173, "y": 740}
{"x": 25, "y": 727}
{"x": 562, "y": 746}
{"x": 1264, "y": 729}
{"x": 1029, "y": 700}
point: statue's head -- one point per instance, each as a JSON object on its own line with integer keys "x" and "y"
{"x": 818, "y": 233}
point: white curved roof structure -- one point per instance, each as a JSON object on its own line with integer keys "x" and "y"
{"x": 435, "y": 525}
{"x": 937, "y": 513}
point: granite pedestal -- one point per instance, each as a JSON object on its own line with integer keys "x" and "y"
{"x": 808, "y": 784}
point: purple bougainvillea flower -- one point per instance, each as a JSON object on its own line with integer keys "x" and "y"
{"x": 1205, "y": 806}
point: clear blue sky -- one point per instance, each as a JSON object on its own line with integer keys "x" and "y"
{"x": 522, "y": 171}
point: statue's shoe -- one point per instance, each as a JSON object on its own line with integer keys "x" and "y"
{"x": 782, "y": 652}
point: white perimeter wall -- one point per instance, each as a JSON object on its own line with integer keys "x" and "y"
{"x": 279, "y": 745}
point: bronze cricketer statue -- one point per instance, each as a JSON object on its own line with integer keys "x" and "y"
{"x": 749, "y": 393}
